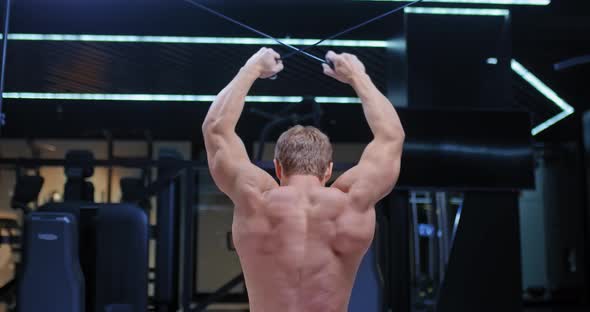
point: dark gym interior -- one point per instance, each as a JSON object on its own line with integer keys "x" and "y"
{"x": 101, "y": 144}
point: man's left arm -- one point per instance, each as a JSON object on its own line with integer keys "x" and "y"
{"x": 228, "y": 160}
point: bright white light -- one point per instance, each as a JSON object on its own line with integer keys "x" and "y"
{"x": 141, "y": 97}
{"x": 497, "y": 2}
{"x": 167, "y": 98}
{"x": 492, "y": 61}
{"x": 339, "y": 100}
{"x": 195, "y": 40}
{"x": 548, "y": 93}
{"x": 109, "y": 97}
{"x": 457, "y": 11}
{"x": 274, "y": 99}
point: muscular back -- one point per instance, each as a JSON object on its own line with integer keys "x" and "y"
{"x": 300, "y": 248}
{"x": 301, "y": 245}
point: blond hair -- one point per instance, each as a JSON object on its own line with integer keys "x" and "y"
{"x": 304, "y": 151}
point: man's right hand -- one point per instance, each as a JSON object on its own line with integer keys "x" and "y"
{"x": 347, "y": 67}
{"x": 265, "y": 63}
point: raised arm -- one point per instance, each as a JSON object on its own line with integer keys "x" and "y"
{"x": 378, "y": 169}
{"x": 228, "y": 160}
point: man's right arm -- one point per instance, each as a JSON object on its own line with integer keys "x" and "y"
{"x": 378, "y": 169}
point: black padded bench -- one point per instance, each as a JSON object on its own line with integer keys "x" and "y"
{"x": 114, "y": 242}
{"x": 51, "y": 279}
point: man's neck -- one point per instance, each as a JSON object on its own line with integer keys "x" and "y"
{"x": 302, "y": 181}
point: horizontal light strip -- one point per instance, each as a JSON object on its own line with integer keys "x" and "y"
{"x": 457, "y": 11}
{"x": 338, "y": 100}
{"x": 196, "y": 40}
{"x": 495, "y": 2}
{"x": 167, "y": 98}
{"x": 547, "y": 92}
{"x": 140, "y": 97}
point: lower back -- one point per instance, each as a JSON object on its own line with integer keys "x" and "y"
{"x": 276, "y": 287}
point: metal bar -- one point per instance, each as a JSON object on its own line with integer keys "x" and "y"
{"x": 441, "y": 209}
{"x": 4, "y": 52}
{"x": 195, "y": 237}
{"x": 416, "y": 238}
{"x": 573, "y": 62}
{"x": 111, "y": 155}
{"x": 160, "y": 183}
{"x": 399, "y": 273}
{"x": 268, "y": 166}
{"x": 422, "y": 201}
{"x": 133, "y": 163}
{"x": 116, "y": 162}
{"x": 187, "y": 241}
{"x": 220, "y": 293}
{"x": 456, "y": 222}
{"x": 167, "y": 243}
{"x": 147, "y": 172}
{"x": 430, "y": 219}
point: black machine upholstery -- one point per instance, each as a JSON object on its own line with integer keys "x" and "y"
{"x": 122, "y": 236}
{"x": 77, "y": 188}
{"x": 133, "y": 190}
{"x": 51, "y": 279}
{"x": 87, "y": 247}
{"x": 113, "y": 254}
{"x": 27, "y": 188}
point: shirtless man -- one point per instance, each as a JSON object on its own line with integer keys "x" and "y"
{"x": 300, "y": 243}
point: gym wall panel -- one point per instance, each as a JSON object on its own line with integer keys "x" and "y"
{"x": 563, "y": 209}
{"x": 448, "y": 61}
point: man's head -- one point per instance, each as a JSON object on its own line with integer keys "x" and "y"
{"x": 303, "y": 151}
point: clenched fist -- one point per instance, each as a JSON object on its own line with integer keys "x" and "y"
{"x": 265, "y": 63}
{"x": 347, "y": 67}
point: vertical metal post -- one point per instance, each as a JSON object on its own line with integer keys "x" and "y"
{"x": 147, "y": 172}
{"x": 4, "y": 50}
{"x": 195, "y": 233}
{"x": 187, "y": 241}
{"x": 399, "y": 274}
{"x": 586, "y": 182}
{"x": 442, "y": 233}
{"x": 416, "y": 236}
{"x": 166, "y": 291}
{"x": 432, "y": 250}
{"x": 111, "y": 156}
{"x": 456, "y": 222}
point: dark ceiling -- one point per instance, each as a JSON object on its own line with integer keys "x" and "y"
{"x": 541, "y": 36}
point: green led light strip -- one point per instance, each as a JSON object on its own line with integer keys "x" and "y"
{"x": 491, "y": 2}
{"x": 166, "y": 97}
{"x": 194, "y": 40}
{"x": 457, "y": 11}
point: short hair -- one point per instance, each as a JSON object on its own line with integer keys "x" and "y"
{"x": 304, "y": 151}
